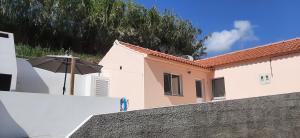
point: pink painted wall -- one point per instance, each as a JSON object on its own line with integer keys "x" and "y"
{"x": 141, "y": 78}
{"x": 126, "y": 82}
{"x": 154, "y": 82}
{"x": 242, "y": 79}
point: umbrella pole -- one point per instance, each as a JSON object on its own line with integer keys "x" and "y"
{"x": 66, "y": 70}
{"x": 73, "y": 61}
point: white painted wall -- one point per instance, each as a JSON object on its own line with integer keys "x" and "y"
{"x": 28, "y": 79}
{"x": 126, "y": 82}
{"x": 55, "y": 82}
{"x": 242, "y": 79}
{"x": 43, "y": 115}
{"x": 49, "y": 82}
{"x": 8, "y": 58}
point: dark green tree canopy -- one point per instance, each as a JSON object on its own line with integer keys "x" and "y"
{"x": 91, "y": 26}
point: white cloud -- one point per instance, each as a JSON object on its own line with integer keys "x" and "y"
{"x": 224, "y": 40}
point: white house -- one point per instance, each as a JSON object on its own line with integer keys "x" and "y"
{"x": 8, "y": 67}
{"x": 31, "y": 100}
{"x": 17, "y": 74}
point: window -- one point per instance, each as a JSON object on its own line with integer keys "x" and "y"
{"x": 167, "y": 84}
{"x": 172, "y": 84}
{"x": 218, "y": 86}
{"x": 5, "y": 81}
{"x": 4, "y": 35}
{"x": 176, "y": 85}
{"x": 198, "y": 89}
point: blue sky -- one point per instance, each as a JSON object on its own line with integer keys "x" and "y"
{"x": 257, "y": 22}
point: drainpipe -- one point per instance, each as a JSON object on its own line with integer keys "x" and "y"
{"x": 73, "y": 62}
{"x": 271, "y": 69}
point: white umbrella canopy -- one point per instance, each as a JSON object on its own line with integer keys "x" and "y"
{"x": 62, "y": 64}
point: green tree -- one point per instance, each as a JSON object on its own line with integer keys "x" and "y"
{"x": 91, "y": 26}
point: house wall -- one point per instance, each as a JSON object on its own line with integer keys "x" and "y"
{"x": 126, "y": 82}
{"x": 242, "y": 79}
{"x": 154, "y": 83}
{"x": 8, "y": 58}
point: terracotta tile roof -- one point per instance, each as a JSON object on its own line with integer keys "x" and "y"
{"x": 161, "y": 55}
{"x": 269, "y": 50}
{"x": 265, "y": 51}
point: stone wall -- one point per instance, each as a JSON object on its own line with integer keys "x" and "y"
{"x": 269, "y": 116}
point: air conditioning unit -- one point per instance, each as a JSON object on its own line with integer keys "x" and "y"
{"x": 99, "y": 86}
{"x": 188, "y": 57}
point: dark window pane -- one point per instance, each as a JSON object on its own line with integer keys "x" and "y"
{"x": 4, "y": 35}
{"x": 199, "y": 89}
{"x": 5, "y": 81}
{"x": 167, "y": 83}
{"x": 218, "y": 87}
{"x": 176, "y": 85}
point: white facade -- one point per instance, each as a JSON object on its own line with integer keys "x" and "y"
{"x": 36, "y": 108}
{"x": 8, "y": 58}
{"x": 52, "y": 83}
{"x": 26, "y": 78}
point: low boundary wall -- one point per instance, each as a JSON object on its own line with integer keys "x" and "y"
{"x": 268, "y": 116}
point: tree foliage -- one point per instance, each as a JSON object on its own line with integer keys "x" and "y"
{"x": 91, "y": 26}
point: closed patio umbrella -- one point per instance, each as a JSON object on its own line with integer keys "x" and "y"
{"x": 63, "y": 64}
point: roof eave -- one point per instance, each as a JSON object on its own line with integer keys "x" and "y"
{"x": 158, "y": 58}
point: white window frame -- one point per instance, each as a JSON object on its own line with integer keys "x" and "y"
{"x": 180, "y": 84}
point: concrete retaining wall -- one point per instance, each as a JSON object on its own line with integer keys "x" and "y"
{"x": 43, "y": 115}
{"x": 270, "y": 116}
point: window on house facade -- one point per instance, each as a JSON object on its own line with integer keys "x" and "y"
{"x": 167, "y": 84}
{"x": 198, "y": 89}
{"x": 172, "y": 84}
{"x": 218, "y": 86}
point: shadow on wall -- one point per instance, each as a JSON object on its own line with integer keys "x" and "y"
{"x": 8, "y": 126}
{"x": 28, "y": 80}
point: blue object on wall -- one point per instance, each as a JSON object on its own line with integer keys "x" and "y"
{"x": 123, "y": 104}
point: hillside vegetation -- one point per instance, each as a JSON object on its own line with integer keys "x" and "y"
{"x": 91, "y": 26}
{"x": 28, "y": 52}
